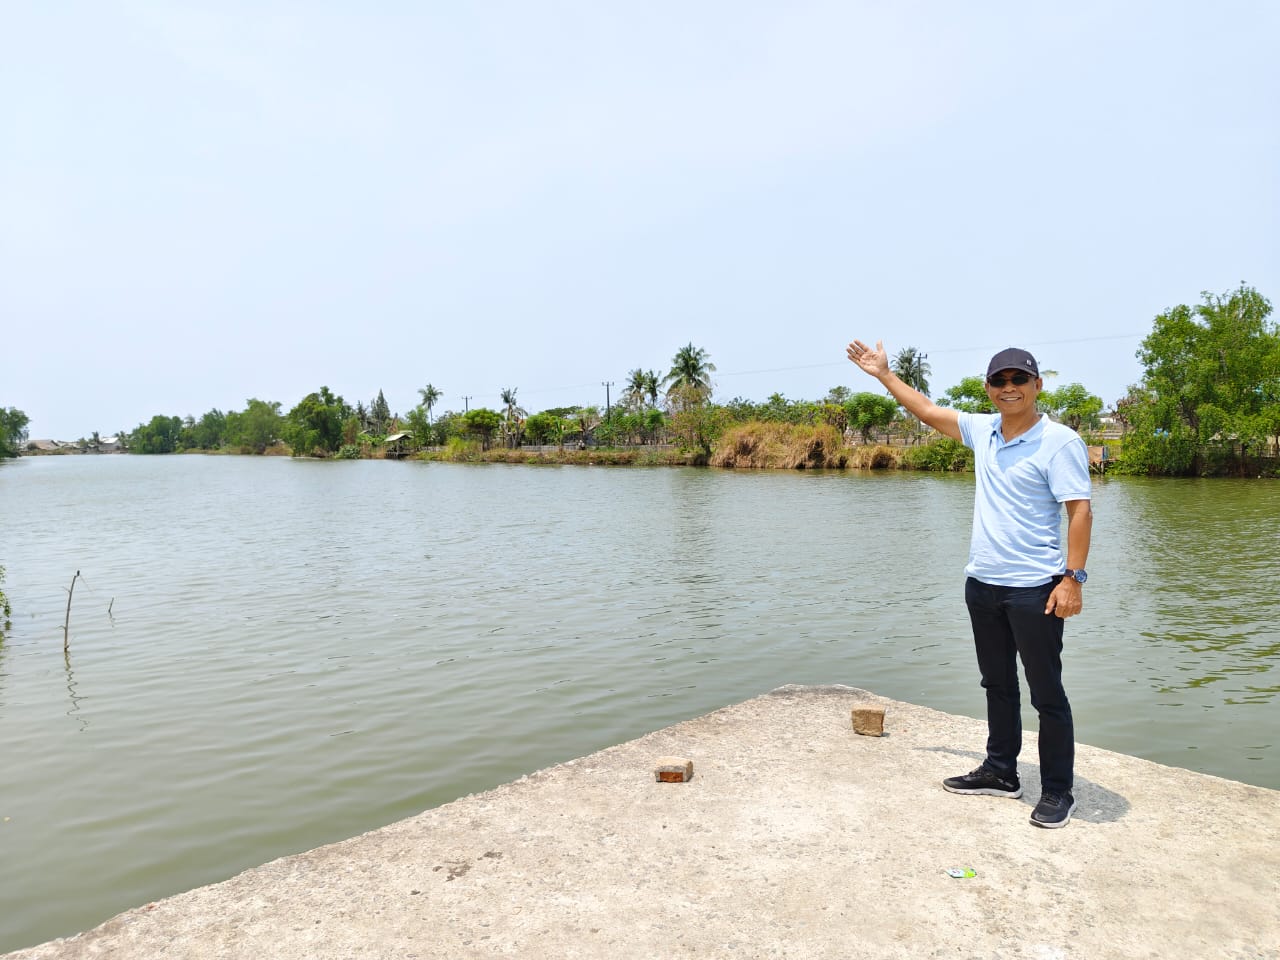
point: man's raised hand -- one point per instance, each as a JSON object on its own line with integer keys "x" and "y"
{"x": 874, "y": 362}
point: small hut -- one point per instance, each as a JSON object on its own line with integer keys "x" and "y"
{"x": 397, "y": 445}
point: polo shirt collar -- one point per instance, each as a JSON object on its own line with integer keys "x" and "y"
{"x": 1032, "y": 434}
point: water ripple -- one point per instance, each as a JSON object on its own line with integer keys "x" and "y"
{"x": 272, "y": 654}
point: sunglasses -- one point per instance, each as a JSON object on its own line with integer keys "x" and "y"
{"x": 1018, "y": 379}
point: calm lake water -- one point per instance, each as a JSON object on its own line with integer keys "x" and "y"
{"x": 267, "y": 655}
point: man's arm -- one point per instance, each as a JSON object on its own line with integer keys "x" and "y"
{"x": 876, "y": 363}
{"x": 1067, "y": 598}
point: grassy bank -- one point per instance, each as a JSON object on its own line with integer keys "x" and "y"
{"x": 750, "y": 446}
{"x": 470, "y": 451}
{"x": 781, "y": 446}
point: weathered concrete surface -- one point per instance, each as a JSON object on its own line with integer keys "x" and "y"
{"x": 795, "y": 838}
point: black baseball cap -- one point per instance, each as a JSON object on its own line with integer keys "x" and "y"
{"x": 1013, "y": 359}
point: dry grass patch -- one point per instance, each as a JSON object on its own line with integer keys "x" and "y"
{"x": 877, "y": 457}
{"x": 628, "y": 456}
{"x": 781, "y": 446}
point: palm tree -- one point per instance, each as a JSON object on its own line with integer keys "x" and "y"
{"x": 637, "y": 386}
{"x": 691, "y": 368}
{"x": 429, "y": 397}
{"x": 910, "y": 367}
{"x": 651, "y": 386}
{"x": 514, "y": 412}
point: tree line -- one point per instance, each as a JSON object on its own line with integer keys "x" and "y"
{"x": 13, "y": 431}
{"x": 1208, "y": 402}
{"x": 651, "y": 409}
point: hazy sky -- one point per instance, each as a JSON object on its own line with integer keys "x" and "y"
{"x": 206, "y": 202}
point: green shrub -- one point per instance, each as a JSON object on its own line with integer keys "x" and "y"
{"x": 5, "y": 609}
{"x": 1158, "y": 454}
{"x": 943, "y": 455}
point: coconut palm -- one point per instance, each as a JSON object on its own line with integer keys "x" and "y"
{"x": 515, "y": 413}
{"x": 910, "y": 367}
{"x": 691, "y": 368}
{"x": 637, "y": 386}
{"x": 651, "y": 386}
{"x": 429, "y": 397}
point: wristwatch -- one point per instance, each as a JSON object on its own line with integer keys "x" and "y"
{"x": 1079, "y": 576}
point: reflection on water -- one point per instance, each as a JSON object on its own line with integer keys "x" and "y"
{"x": 74, "y": 711}
{"x": 266, "y": 655}
{"x": 1206, "y": 549}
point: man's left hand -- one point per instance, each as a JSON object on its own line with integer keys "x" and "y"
{"x": 1066, "y": 600}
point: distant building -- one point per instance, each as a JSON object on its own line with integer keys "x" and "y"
{"x": 396, "y": 444}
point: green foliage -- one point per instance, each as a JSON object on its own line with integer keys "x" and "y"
{"x": 833, "y": 415}
{"x": 655, "y": 421}
{"x": 1154, "y": 450}
{"x": 6, "y": 611}
{"x": 622, "y": 426}
{"x": 641, "y": 388}
{"x": 942, "y": 455}
{"x": 354, "y": 427}
{"x": 543, "y": 428}
{"x": 209, "y": 432}
{"x": 349, "y": 451}
{"x": 968, "y": 396}
{"x": 315, "y": 426}
{"x": 161, "y": 435}
{"x": 696, "y": 423}
{"x": 448, "y": 425}
{"x": 462, "y": 450}
{"x": 419, "y": 424}
{"x": 868, "y": 412}
{"x": 778, "y": 409}
{"x": 1211, "y": 383}
{"x": 513, "y": 423}
{"x": 13, "y": 431}
{"x": 691, "y": 369}
{"x": 379, "y": 415}
{"x": 482, "y": 423}
{"x": 1073, "y": 405}
{"x": 911, "y": 369}
{"x": 741, "y": 410}
{"x": 430, "y": 396}
{"x": 255, "y": 428}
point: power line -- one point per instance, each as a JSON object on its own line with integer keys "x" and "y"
{"x": 978, "y": 349}
{"x": 843, "y": 363}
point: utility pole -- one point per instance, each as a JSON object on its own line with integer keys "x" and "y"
{"x": 606, "y": 384}
{"x": 466, "y": 404}
{"x": 919, "y": 384}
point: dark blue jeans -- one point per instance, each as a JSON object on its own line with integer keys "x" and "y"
{"x": 1008, "y": 623}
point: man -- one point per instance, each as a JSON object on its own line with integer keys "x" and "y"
{"x": 1019, "y": 590}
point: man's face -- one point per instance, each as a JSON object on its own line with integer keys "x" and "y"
{"x": 1011, "y": 397}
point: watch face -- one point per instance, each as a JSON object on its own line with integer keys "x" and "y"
{"x": 1080, "y": 576}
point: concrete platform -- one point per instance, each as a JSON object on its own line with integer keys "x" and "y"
{"x": 794, "y": 838}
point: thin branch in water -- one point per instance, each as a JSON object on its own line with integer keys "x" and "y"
{"x": 66, "y": 624}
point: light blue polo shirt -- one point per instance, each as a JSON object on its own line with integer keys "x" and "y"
{"x": 1017, "y": 512}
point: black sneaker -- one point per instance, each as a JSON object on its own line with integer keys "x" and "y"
{"x": 985, "y": 781}
{"x": 1053, "y": 810}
